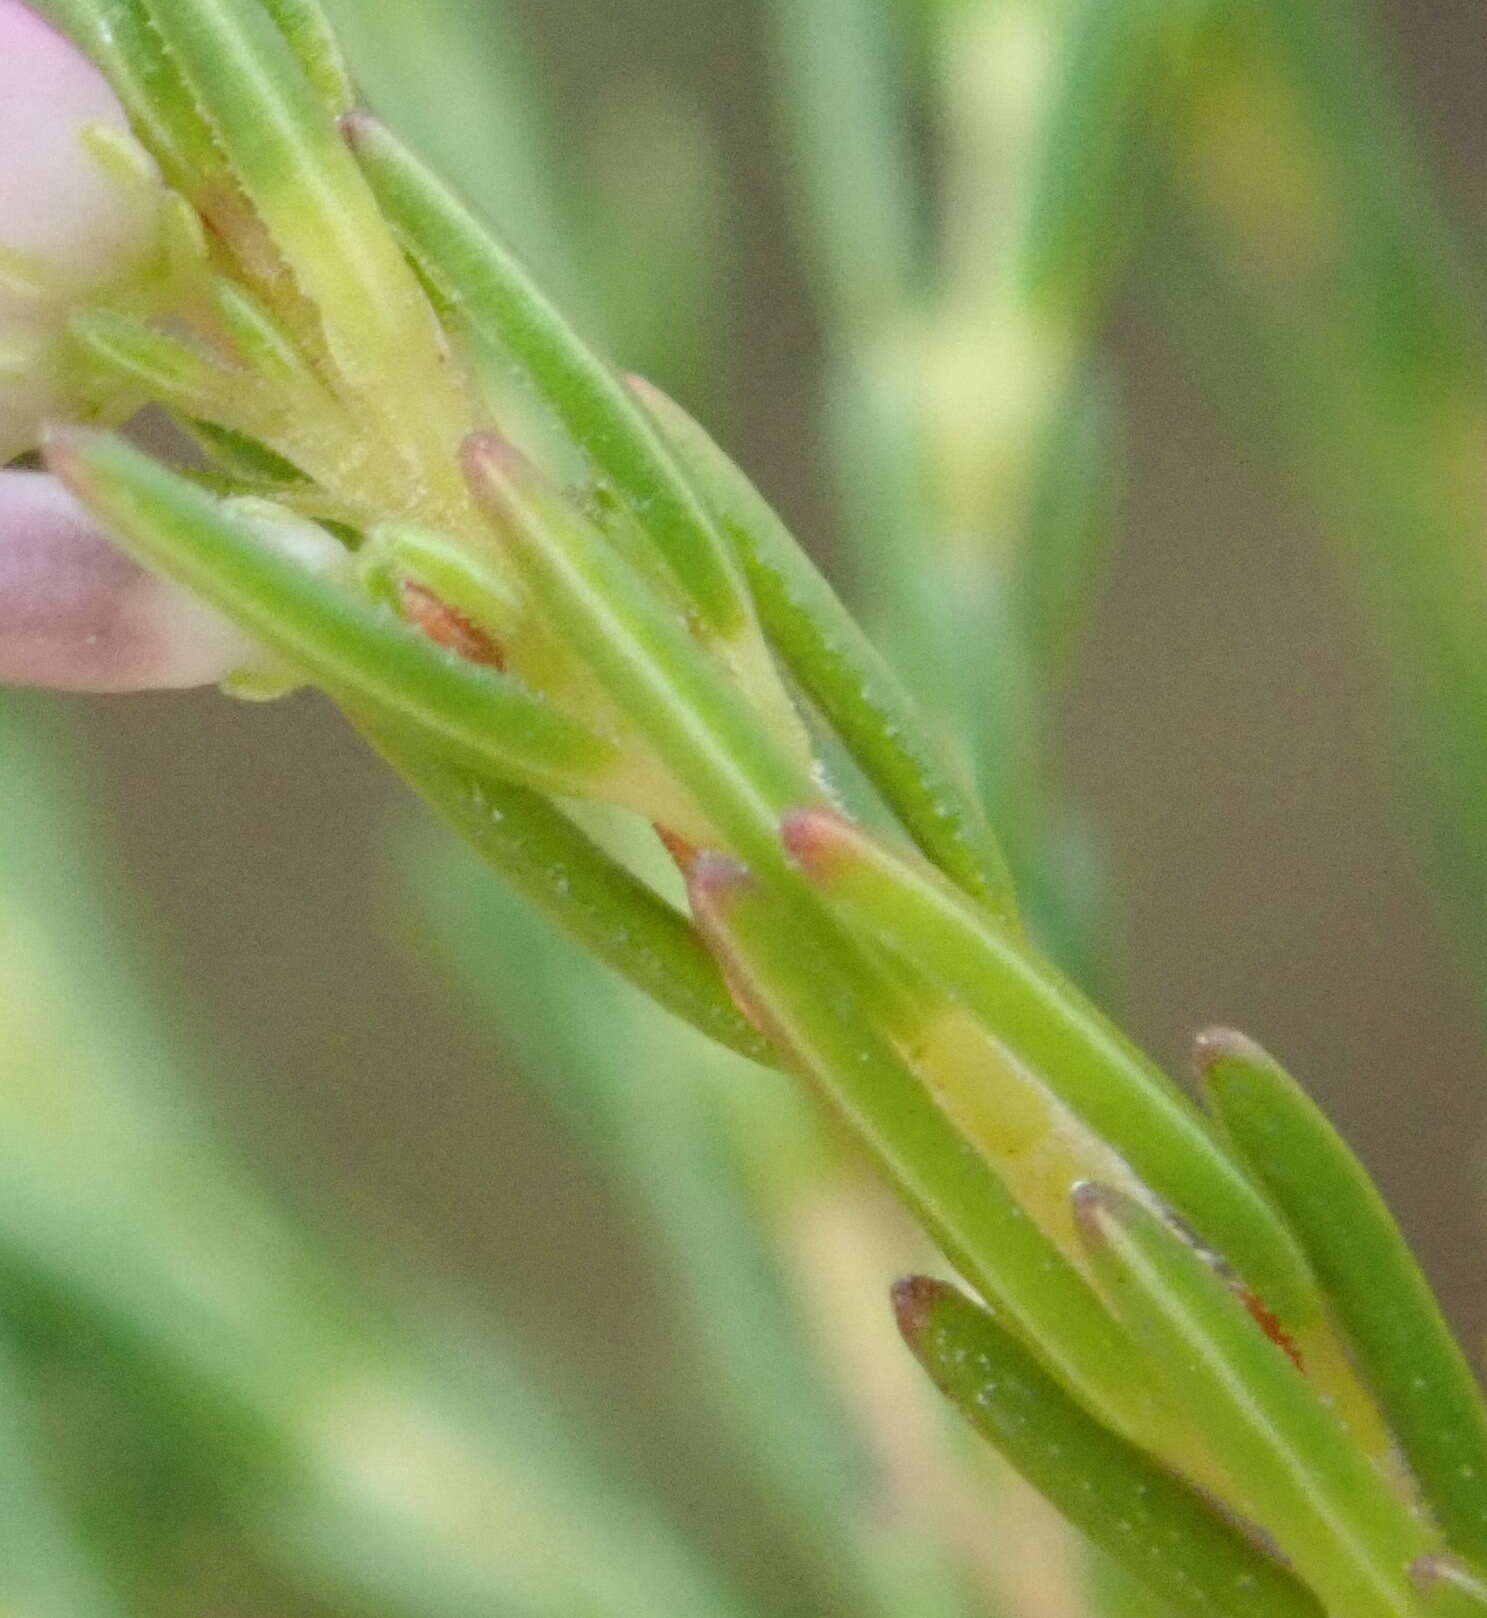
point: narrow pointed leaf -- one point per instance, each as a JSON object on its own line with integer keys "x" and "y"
{"x": 262, "y": 343}
{"x": 310, "y": 36}
{"x": 242, "y": 460}
{"x": 1116, "y": 65}
{"x": 475, "y": 585}
{"x": 1299, "y": 1473}
{"x": 171, "y": 371}
{"x": 1449, "y": 1589}
{"x": 579, "y": 887}
{"x": 840, "y": 669}
{"x": 1161, "y": 1532}
{"x": 358, "y": 652}
{"x": 1078, "y": 1052}
{"x": 1404, "y": 1346}
{"x": 819, "y": 1019}
{"x": 284, "y": 147}
{"x": 652, "y": 669}
{"x": 504, "y": 308}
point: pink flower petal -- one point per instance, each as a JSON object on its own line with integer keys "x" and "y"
{"x": 58, "y": 205}
{"x": 77, "y": 614}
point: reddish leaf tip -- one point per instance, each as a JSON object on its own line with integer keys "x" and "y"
{"x": 1096, "y": 1207}
{"x": 714, "y": 878}
{"x": 814, "y": 837}
{"x": 495, "y": 471}
{"x": 64, "y": 454}
{"x": 487, "y": 452}
{"x": 357, "y": 126}
{"x": 681, "y": 849}
{"x": 62, "y": 445}
{"x": 915, "y": 1298}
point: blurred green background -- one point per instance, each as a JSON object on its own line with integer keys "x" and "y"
{"x": 1225, "y": 728}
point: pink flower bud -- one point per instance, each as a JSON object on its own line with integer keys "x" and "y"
{"x": 71, "y": 225}
{"x": 79, "y": 615}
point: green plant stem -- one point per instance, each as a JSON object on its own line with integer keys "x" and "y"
{"x": 838, "y": 667}
{"x": 1340, "y": 322}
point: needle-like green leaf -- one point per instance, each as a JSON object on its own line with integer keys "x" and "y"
{"x": 1404, "y": 1346}
{"x": 261, "y": 342}
{"x": 640, "y": 650}
{"x": 824, "y": 1022}
{"x": 175, "y": 373}
{"x": 1294, "y": 1465}
{"x": 312, "y": 39}
{"x": 844, "y": 107}
{"x": 358, "y": 652}
{"x": 841, "y": 670}
{"x": 477, "y": 585}
{"x": 1098, "y": 1073}
{"x": 1161, "y": 1532}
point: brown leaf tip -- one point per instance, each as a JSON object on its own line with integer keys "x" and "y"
{"x": 915, "y": 1298}
{"x": 447, "y": 627}
{"x": 682, "y": 850}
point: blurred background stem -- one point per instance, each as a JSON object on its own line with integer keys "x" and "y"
{"x": 1338, "y": 320}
